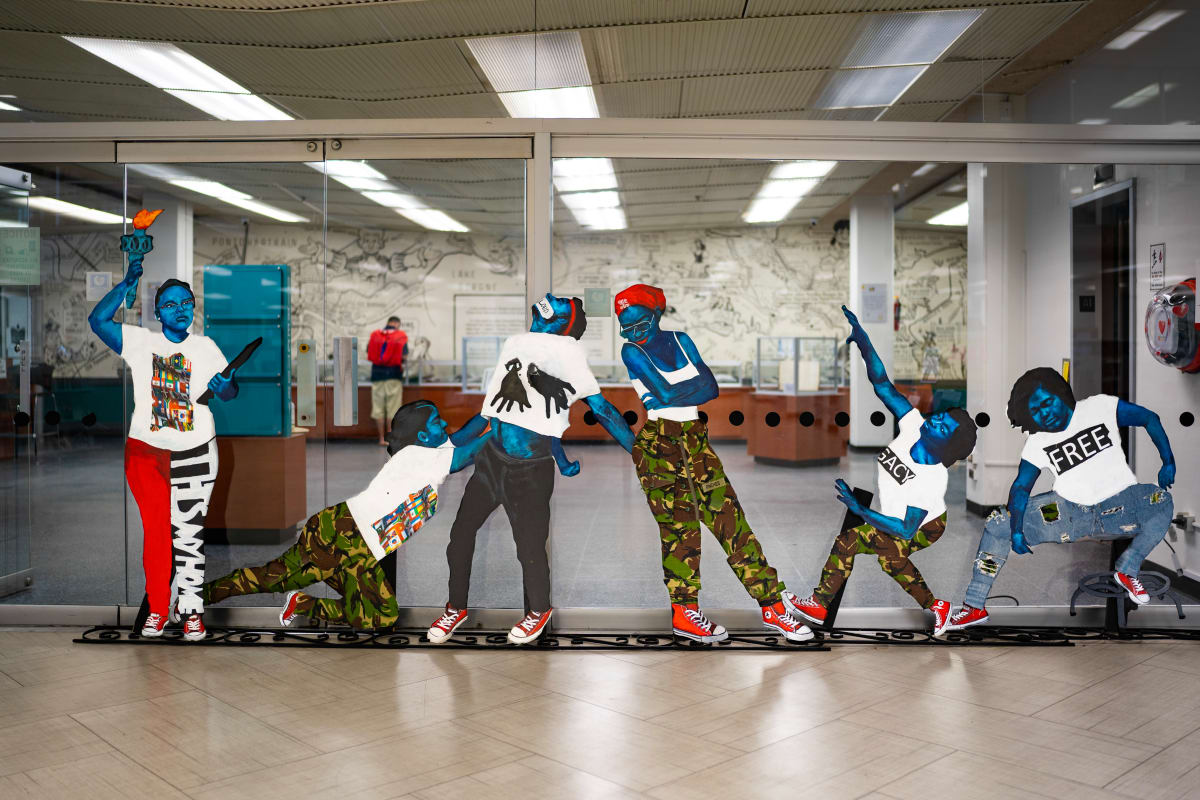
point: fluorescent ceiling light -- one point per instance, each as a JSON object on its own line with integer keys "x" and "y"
{"x": 432, "y": 219}
{"x": 770, "y": 209}
{"x": 181, "y": 75}
{"x": 1142, "y": 96}
{"x": 861, "y": 88}
{"x": 580, "y": 201}
{"x": 52, "y": 205}
{"x": 793, "y": 188}
{"x": 394, "y": 199}
{"x": 601, "y": 219}
{"x": 7, "y": 106}
{"x": 953, "y": 216}
{"x": 583, "y": 174}
{"x": 802, "y": 169}
{"x": 364, "y": 184}
{"x": 235, "y": 197}
{"x": 919, "y": 37}
{"x": 347, "y": 169}
{"x": 924, "y": 169}
{"x": 1142, "y": 29}
{"x": 552, "y": 60}
{"x": 955, "y": 187}
{"x": 577, "y": 102}
{"x": 1093, "y": 121}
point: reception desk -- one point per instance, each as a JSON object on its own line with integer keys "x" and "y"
{"x": 789, "y": 442}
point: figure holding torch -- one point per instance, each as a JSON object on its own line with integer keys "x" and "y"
{"x": 137, "y": 245}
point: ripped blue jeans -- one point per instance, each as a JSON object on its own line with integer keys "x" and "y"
{"x": 1143, "y": 513}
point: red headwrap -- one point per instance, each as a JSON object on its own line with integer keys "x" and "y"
{"x": 640, "y": 294}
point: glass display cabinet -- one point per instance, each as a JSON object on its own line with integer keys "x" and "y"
{"x": 479, "y": 355}
{"x": 794, "y": 364}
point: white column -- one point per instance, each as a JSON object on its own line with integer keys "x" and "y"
{"x": 539, "y": 222}
{"x": 996, "y": 323}
{"x": 872, "y": 257}
{"x": 172, "y": 256}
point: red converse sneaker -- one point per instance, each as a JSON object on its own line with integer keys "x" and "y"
{"x": 154, "y": 625}
{"x": 193, "y": 628}
{"x": 530, "y": 628}
{"x": 941, "y": 616}
{"x": 689, "y": 622}
{"x": 965, "y": 617}
{"x": 1133, "y": 587}
{"x": 288, "y": 613}
{"x": 443, "y": 627}
{"x": 777, "y": 618}
{"x": 811, "y": 610}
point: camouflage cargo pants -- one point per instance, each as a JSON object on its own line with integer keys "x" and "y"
{"x": 685, "y": 485}
{"x": 330, "y": 549}
{"x": 892, "y": 552}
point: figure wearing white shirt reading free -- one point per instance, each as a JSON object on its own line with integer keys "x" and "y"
{"x": 344, "y": 545}
{"x": 912, "y": 481}
{"x": 1095, "y": 494}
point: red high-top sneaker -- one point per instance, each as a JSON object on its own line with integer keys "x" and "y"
{"x": 688, "y": 621}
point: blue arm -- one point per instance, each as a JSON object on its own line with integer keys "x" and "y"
{"x": 903, "y": 528}
{"x": 611, "y": 421}
{"x": 884, "y": 390}
{"x": 692, "y": 392}
{"x": 101, "y": 319}
{"x": 1018, "y": 500}
{"x": 465, "y": 453}
{"x": 469, "y": 431}
{"x": 567, "y": 467}
{"x": 1133, "y": 414}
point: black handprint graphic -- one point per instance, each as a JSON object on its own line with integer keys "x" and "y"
{"x": 512, "y": 391}
{"x": 549, "y": 387}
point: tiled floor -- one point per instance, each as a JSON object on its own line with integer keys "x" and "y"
{"x": 1099, "y": 720}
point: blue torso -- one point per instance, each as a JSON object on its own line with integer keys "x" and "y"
{"x": 520, "y": 442}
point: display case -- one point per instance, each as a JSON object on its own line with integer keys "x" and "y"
{"x": 479, "y": 356}
{"x": 794, "y": 364}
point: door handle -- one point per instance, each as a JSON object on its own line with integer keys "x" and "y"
{"x": 345, "y": 381}
{"x": 306, "y": 384}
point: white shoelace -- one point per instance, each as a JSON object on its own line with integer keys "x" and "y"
{"x": 152, "y": 620}
{"x": 698, "y": 619}
{"x": 446, "y": 619}
{"x": 960, "y": 614}
{"x": 192, "y": 623}
{"x": 530, "y": 622}
{"x": 1136, "y": 584}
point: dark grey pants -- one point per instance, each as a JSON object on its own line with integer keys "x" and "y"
{"x": 523, "y": 487}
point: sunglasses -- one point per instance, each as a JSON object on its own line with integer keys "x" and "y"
{"x": 171, "y": 305}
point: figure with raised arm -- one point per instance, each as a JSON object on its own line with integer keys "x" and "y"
{"x": 911, "y": 474}
{"x": 683, "y": 479}
{"x": 1095, "y": 494}
{"x": 538, "y": 376}
{"x": 171, "y": 452}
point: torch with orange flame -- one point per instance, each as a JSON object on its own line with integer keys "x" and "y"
{"x": 138, "y": 244}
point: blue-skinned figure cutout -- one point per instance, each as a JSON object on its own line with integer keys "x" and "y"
{"x": 912, "y": 477}
{"x": 1095, "y": 494}
{"x": 682, "y": 477}
{"x": 171, "y": 452}
{"x": 537, "y": 378}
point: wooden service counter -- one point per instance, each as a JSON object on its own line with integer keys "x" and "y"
{"x": 457, "y": 407}
{"x": 790, "y": 443}
{"x": 261, "y": 490}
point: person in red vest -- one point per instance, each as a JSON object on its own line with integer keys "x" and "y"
{"x": 386, "y": 350}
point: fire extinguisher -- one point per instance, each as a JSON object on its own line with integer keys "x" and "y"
{"x": 896, "y": 314}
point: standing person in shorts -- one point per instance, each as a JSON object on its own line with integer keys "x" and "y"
{"x": 386, "y": 350}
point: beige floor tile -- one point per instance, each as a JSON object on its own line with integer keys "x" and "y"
{"x": 107, "y": 776}
{"x": 1143, "y": 704}
{"x": 191, "y": 738}
{"x": 620, "y": 748}
{"x": 533, "y": 778}
{"x": 1172, "y": 774}
{"x": 954, "y": 672}
{"x": 29, "y": 703}
{"x": 330, "y": 725}
{"x": 760, "y": 715}
{"x": 1183, "y": 656}
{"x": 966, "y": 776}
{"x": 259, "y": 681}
{"x": 838, "y": 759}
{"x": 16, "y": 646}
{"x": 387, "y": 768}
{"x": 7, "y": 683}
{"x": 46, "y": 743}
{"x": 379, "y": 670}
{"x": 1084, "y": 664}
{"x": 80, "y": 660}
{"x": 731, "y": 671}
{"x": 607, "y": 682}
{"x": 1036, "y": 744}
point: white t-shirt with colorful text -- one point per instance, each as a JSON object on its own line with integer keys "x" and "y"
{"x": 401, "y": 497}
{"x": 903, "y": 482}
{"x": 537, "y": 378}
{"x": 1086, "y": 457}
{"x": 168, "y": 378}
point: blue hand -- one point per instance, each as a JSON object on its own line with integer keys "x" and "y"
{"x": 570, "y": 469}
{"x": 222, "y": 387}
{"x": 846, "y": 496}
{"x": 1166, "y": 475}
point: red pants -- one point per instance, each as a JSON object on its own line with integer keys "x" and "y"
{"x": 148, "y": 471}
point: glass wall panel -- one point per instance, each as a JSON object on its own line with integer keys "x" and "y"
{"x": 62, "y": 413}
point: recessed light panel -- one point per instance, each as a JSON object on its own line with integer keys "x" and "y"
{"x": 859, "y": 88}
{"x": 918, "y": 37}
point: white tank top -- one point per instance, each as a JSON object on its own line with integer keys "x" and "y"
{"x": 684, "y": 373}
